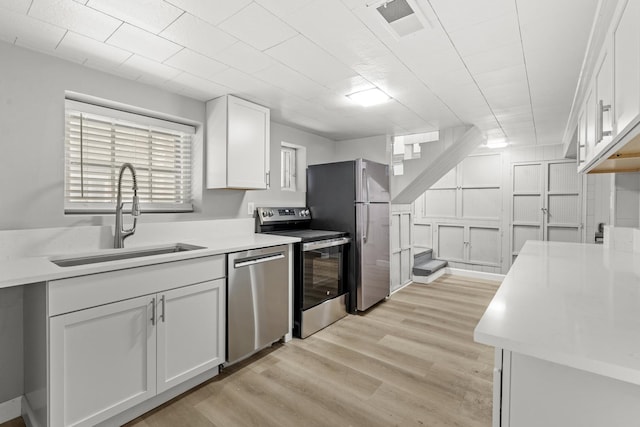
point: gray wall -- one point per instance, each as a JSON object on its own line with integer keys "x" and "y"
{"x": 373, "y": 148}
{"x": 32, "y": 92}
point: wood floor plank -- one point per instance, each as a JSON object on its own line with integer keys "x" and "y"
{"x": 409, "y": 361}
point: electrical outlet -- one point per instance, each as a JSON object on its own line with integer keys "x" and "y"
{"x": 250, "y": 208}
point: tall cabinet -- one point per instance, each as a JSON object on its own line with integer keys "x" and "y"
{"x": 459, "y": 217}
{"x": 237, "y": 144}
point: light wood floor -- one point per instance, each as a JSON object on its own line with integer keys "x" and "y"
{"x": 409, "y": 361}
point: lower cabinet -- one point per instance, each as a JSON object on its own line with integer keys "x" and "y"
{"x": 531, "y": 392}
{"x": 106, "y": 359}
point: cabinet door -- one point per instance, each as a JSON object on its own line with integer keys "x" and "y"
{"x": 604, "y": 100}
{"x": 626, "y": 42}
{"x": 590, "y": 123}
{"x": 102, "y": 361}
{"x": 191, "y": 332}
{"x": 451, "y": 243}
{"x": 248, "y": 144}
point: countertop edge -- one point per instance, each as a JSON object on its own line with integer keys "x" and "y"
{"x": 28, "y": 270}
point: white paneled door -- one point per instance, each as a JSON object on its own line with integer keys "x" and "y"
{"x": 546, "y": 203}
{"x": 401, "y": 243}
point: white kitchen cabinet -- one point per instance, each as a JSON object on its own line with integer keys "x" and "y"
{"x": 546, "y": 203}
{"x": 103, "y": 361}
{"x": 469, "y": 244}
{"x": 122, "y": 338}
{"x": 127, "y": 352}
{"x": 611, "y": 104}
{"x": 191, "y": 332}
{"x": 531, "y": 392}
{"x": 626, "y": 45}
{"x": 237, "y": 144}
{"x": 401, "y": 245}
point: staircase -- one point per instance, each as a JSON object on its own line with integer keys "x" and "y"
{"x": 425, "y": 268}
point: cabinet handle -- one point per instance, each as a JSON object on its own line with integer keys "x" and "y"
{"x": 163, "y": 315}
{"x": 268, "y": 178}
{"x": 600, "y": 121}
{"x": 153, "y": 311}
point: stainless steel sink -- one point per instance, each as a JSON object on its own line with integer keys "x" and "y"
{"x": 123, "y": 254}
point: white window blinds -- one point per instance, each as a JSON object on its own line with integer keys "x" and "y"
{"x": 99, "y": 140}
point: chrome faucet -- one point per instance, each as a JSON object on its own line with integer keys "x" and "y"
{"x": 120, "y": 233}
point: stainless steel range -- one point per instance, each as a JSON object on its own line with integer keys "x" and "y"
{"x": 320, "y": 268}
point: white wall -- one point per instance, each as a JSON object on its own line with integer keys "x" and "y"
{"x": 626, "y": 200}
{"x": 375, "y": 148}
{"x": 32, "y": 92}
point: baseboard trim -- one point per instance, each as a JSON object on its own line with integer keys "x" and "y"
{"x": 10, "y": 409}
{"x": 474, "y": 274}
{"x": 425, "y": 280}
{"x": 401, "y": 287}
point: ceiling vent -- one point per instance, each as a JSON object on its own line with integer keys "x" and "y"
{"x": 401, "y": 17}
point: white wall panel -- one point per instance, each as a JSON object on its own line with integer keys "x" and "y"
{"x": 395, "y": 270}
{"x": 422, "y": 235}
{"x": 395, "y": 232}
{"x": 447, "y": 181}
{"x": 527, "y": 178}
{"x": 563, "y": 234}
{"x": 522, "y": 233}
{"x": 527, "y": 208}
{"x": 451, "y": 242}
{"x": 481, "y": 171}
{"x": 563, "y": 178}
{"x": 440, "y": 203}
{"x": 485, "y": 203}
{"x": 484, "y": 245}
{"x": 564, "y": 209}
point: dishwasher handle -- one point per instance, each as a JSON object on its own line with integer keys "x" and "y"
{"x": 246, "y": 262}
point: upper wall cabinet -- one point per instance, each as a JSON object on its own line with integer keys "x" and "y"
{"x": 237, "y": 144}
{"x": 609, "y": 118}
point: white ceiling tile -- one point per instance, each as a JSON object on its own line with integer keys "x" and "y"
{"x": 29, "y": 32}
{"x": 307, "y": 58}
{"x": 487, "y": 35}
{"x": 196, "y": 87}
{"x": 196, "y": 34}
{"x": 293, "y": 82}
{"x": 457, "y": 14}
{"x": 258, "y": 27}
{"x": 143, "y": 43}
{"x": 213, "y": 11}
{"x": 75, "y": 17}
{"x": 502, "y": 76}
{"x": 243, "y": 83}
{"x": 151, "y": 72}
{"x": 150, "y": 15}
{"x": 282, "y": 8}
{"x": 195, "y": 63}
{"x": 508, "y": 55}
{"x": 243, "y": 57}
{"x": 17, "y": 6}
{"x": 79, "y": 48}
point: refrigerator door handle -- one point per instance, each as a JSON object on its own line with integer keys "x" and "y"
{"x": 365, "y": 182}
{"x": 365, "y": 228}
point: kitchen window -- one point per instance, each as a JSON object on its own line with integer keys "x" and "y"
{"x": 293, "y": 163}
{"x": 98, "y": 140}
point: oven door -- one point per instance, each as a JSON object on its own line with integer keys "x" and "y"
{"x": 323, "y": 269}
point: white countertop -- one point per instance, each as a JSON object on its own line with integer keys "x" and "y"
{"x": 24, "y": 270}
{"x": 573, "y": 304}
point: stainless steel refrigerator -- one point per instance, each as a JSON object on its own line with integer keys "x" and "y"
{"x": 353, "y": 196}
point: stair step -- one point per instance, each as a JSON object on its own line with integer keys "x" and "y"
{"x": 423, "y": 256}
{"x": 429, "y": 267}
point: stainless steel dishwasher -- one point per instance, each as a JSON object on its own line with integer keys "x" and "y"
{"x": 257, "y": 300}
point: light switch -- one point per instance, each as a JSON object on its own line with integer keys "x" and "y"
{"x": 250, "y": 208}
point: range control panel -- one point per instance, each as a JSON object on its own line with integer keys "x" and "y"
{"x": 271, "y": 215}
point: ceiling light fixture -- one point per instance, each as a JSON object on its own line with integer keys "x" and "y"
{"x": 369, "y": 97}
{"x": 497, "y": 143}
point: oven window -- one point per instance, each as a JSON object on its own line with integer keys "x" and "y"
{"x": 322, "y": 275}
